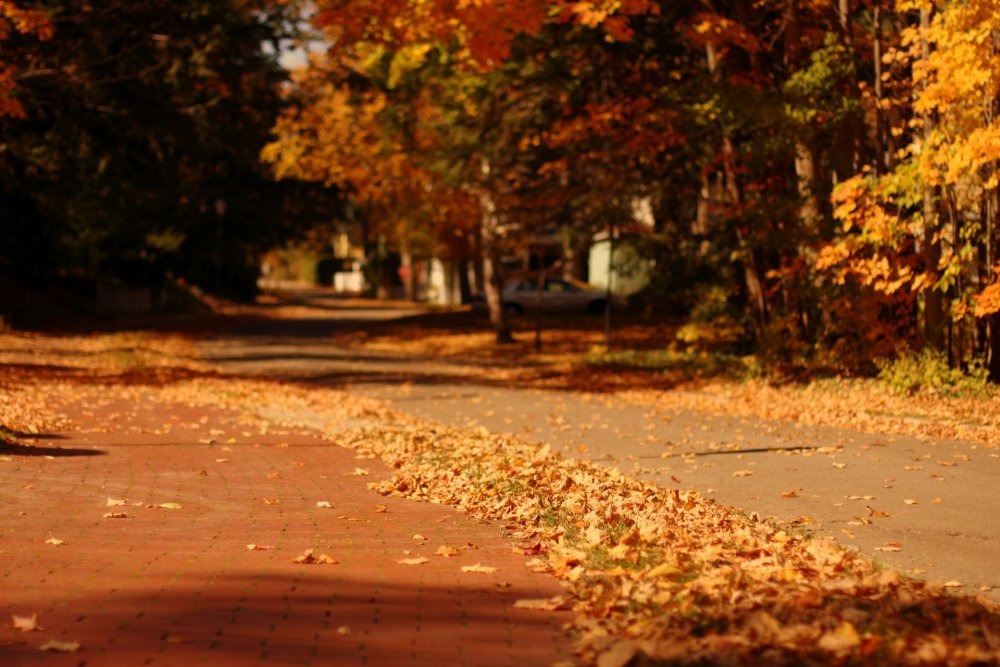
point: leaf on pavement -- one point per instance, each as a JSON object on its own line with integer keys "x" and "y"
{"x": 742, "y": 473}
{"x": 259, "y": 547}
{"x": 271, "y": 501}
{"x": 26, "y": 623}
{"x": 54, "y": 540}
{"x": 115, "y": 502}
{"x": 324, "y": 503}
{"x": 359, "y": 472}
{"x": 890, "y": 546}
{"x": 446, "y": 551}
{"x": 115, "y": 515}
{"x": 307, "y": 558}
{"x": 60, "y": 646}
{"x": 542, "y": 604}
{"x": 381, "y": 509}
{"x": 483, "y": 569}
{"x": 413, "y": 561}
{"x": 170, "y": 506}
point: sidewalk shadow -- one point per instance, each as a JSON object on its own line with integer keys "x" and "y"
{"x": 13, "y": 449}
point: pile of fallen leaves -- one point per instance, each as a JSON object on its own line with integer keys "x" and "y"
{"x": 670, "y": 576}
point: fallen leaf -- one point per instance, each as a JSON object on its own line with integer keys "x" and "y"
{"x": 344, "y": 631}
{"x": 170, "y": 506}
{"x": 271, "y": 501}
{"x": 483, "y": 569}
{"x": 222, "y": 460}
{"x": 953, "y": 584}
{"x": 890, "y": 546}
{"x": 115, "y": 515}
{"x": 274, "y": 475}
{"x": 259, "y": 547}
{"x": 910, "y": 501}
{"x": 418, "y": 537}
{"x": 381, "y": 509}
{"x": 840, "y": 465}
{"x": 876, "y": 514}
{"x": 60, "y": 646}
{"x": 54, "y": 540}
{"x": 413, "y": 561}
{"x": 860, "y": 497}
{"x": 794, "y": 493}
{"x": 115, "y": 502}
{"x": 842, "y": 639}
{"x": 742, "y": 473}
{"x": 359, "y": 472}
{"x": 26, "y": 623}
{"x": 326, "y": 504}
{"x": 307, "y": 558}
{"x": 446, "y": 551}
{"x": 543, "y": 604}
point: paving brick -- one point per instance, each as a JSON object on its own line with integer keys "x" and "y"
{"x": 179, "y": 587}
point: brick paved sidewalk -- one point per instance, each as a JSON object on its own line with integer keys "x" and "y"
{"x": 179, "y": 586}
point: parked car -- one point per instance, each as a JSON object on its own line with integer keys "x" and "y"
{"x": 558, "y": 295}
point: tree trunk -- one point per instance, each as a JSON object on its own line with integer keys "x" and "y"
{"x": 492, "y": 273}
{"x": 933, "y": 300}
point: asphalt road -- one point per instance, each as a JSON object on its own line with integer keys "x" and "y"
{"x": 926, "y": 508}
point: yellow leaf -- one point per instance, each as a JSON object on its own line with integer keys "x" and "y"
{"x": 413, "y": 561}
{"x": 446, "y": 551}
{"x": 60, "y": 646}
{"x": 483, "y": 569}
{"x": 26, "y": 623}
{"x": 844, "y": 638}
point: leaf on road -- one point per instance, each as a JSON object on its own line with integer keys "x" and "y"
{"x": 55, "y": 540}
{"x": 60, "y": 646}
{"x": 326, "y": 504}
{"x": 861, "y": 497}
{"x": 953, "y": 584}
{"x": 359, "y": 472}
{"x": 259, "y": 547}
{"x": 446, "y": 551}
{"x": 418, "y": 537}
{"x": 413, "y": 561}
{"x": 222, "y": 460}
{"x": 890, "y": 546}
{"x": 793, "y": 493}
{"x": 910, "y": 501}
{"x": 272, "y": 501}
{"x": 115, "y": 515}
{"x": 742, "y": 473}
{"x": 543, "y": 604}
{"x": 482, "y": 569}
{"x": 307, "y": 558}
{"x": 381, "y": 509}
{"x": 115, "y": 502}
{"x": 170, "y": 506}
{"x": 26, "y": 623}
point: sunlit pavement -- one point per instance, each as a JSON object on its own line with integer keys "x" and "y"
{"x": 174, "y": 582}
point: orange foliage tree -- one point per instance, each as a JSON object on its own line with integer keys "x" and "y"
{"x": 17, "y": 23}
